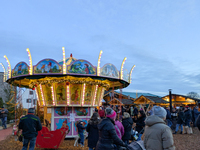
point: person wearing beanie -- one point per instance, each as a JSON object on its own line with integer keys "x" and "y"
{"x": 157, "y": 135}
{"x": 140, "y": 124}
{"x": 30, "y": 125}
{"x": 127, "y": 122}
{"x": 107, "y": 132}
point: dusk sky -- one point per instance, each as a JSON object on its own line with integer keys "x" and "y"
{"x": 160, "y": 37}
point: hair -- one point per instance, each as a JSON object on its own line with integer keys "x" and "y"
{"x": 94, "y": 119}
{"x": 142, "y": 113}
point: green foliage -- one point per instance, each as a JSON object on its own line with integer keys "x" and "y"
{"x": 10, "y": 101}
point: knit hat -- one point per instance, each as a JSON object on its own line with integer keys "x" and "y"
{"x": 126, "y": 115}
{"x": 110, "y": 113}
{"x": 159, "y": 111}
{"x": 31, "y": 111}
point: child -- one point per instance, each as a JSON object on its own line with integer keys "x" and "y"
{"x": 81, "y": 127}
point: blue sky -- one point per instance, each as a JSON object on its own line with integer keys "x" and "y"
{"x": 160, "y": 37}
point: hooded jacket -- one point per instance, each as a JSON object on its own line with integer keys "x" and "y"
{"x": 119, "y": 129}
{"x": 30, "y": 126}
{"x": 188, "y": 115}
{"x": 93, "y": 133}
{"x": 107, "y": 135}
{"x": 196, "y": 113}
{"x": 158, "y": 135}
{"x": 127, "y": 123}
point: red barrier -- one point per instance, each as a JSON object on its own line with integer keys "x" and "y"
{"x": 50, "y": 139}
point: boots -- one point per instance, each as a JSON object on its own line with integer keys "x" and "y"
{"x": 181, "y": 132}
{"x": 184, "y": 130}
{"x": 175, "y": 132}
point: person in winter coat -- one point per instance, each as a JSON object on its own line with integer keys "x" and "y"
{"x": 180, "y": 121}
{"x": 93, "y": 132}
{"x": 197, "y": 123}
{"x": 168, "y": 117}
{"x": 119, "y": 128}
{"x": 140, "y": 124}
{"x": 127, "y": 123}
{"x": 188, "y": 116}
{"x": 107, "y": 132}
{"x": 101, "y": 113}
{"x": 135, "y": 111}
{"x": 81, "y": 128}
{"x": 4, "y": 114}
{"x": 196, "y": 114}
{"x": 174, "y": 117}
{"x": 158, "y": 135}
{"x": 30, "y": 126}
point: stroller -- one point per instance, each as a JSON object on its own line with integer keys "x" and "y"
{"x": 136, "y": 145}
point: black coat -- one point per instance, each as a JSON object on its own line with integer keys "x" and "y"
{"x": 181, "y": 118}
{"x": 140, "y": 124}
{"x": 107, "y": 135}
{"x": 80, "y": 127}
{"x": 93, "y": 134}
{"x": 198, "y": 122}
{"x": 30, "y": 126}
{"x": 127, "y": 123}
{"x": 188, "y": 115}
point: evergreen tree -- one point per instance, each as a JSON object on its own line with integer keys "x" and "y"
{"x": 1, "y": 102}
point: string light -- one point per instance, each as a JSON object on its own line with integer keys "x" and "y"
{"x": 30, "y": 62}
{"x": 95, "y": 95}
{"x": 42, "y": 95}
{"x": 37, "y": 96}
{"x": 101, "y": 96}
{"x": 130, "y": 74}
{"x": 64, "y": 64}
{"x": 98, "y": 66}
{"x": 9, "y": 66}
{"x": 53, "y": 96}
{"x": 68, "y": 95}
{"x": 83, "y": 96}
{"x": 122, "y": 67}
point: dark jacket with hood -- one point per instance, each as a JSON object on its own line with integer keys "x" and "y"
{"x": 127, "y": 123}
{"x": 196, "y": 113}
{"x": 181, "y": 118}
{"x": 107, "y": 135}
{"x": 93, "y": 133}
{"x": 80, "y": 127}
{"x": 30, "y": 126}
{"x": 188, "y": 115}
{"x": 168, "y": 114}
{"x": 140, "y": 124}
{"x": 158, "y": 136}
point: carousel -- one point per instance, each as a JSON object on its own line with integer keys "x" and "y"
{"x": 67, "y": 90}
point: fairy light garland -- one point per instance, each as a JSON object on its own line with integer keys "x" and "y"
{"x": 68, "y": 95}
{"x": 83, "y": 96}
{"x": 101, "y": 96}
{"x": 122, "y": 67}
{"x": 95, "y": 95}
{"x": 130, "y": 74}
{"x": 30, "y": 62}
{"x": 42, "y": 95}
{"x": 64, "y": 64}
{"x": 9, "y": 66}
{"x": 37, "y": 96}
{"x": 98, "y": 66}
{"x": 53, "y": 96}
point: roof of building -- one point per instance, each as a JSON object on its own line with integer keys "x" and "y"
{"x": 196, "y": 99}
{"x": 156, "y": 99}
{"x": 135, "y": 95}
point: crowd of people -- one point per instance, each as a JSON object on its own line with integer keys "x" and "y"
{"x": 111, "y": 127}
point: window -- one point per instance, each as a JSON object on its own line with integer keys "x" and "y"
{"x": 31, "y": 92}
{"x": 28, "y": 100}
{"x": 34, "y": 101}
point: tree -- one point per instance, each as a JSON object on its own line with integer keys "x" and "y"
{"x": 10, "y": 101}
{"x": 1, "y": 102}
{"x": 193, "y": 95}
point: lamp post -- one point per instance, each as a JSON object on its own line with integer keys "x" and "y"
{"x": 170, "y": 99}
